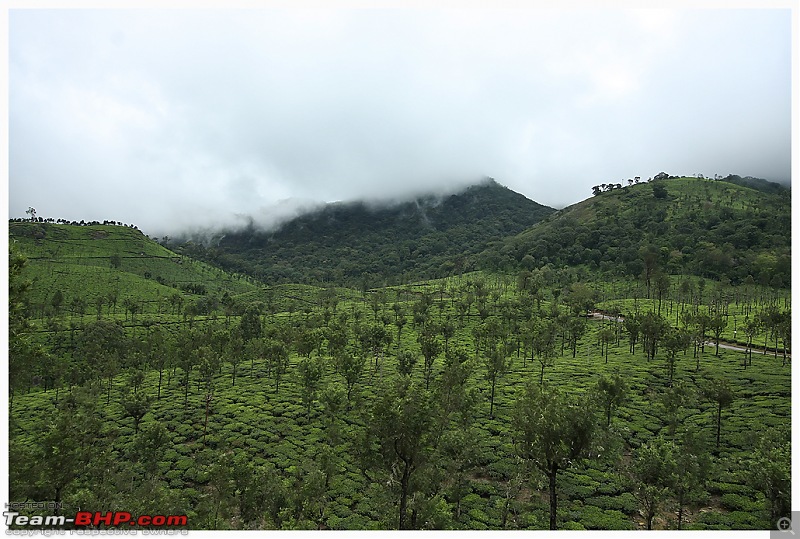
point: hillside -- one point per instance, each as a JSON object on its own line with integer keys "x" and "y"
{"x": 684, "y": 225}
{"x": 363, "y": 244}
{"x": 103, "y": 267}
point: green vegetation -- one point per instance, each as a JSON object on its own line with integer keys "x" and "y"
{"x": 366, "y": 246}
{"x": 145, "y": 381}
{"x": 708, "y": 228}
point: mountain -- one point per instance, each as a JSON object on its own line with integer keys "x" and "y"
{"x": 758, "y": 184}
{"x": 372, "y": 244}
{"x": 714, "y": 229}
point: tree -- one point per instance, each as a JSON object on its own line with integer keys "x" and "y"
{"x": 660, "y": 191}
{"x": 691, "y": 470}
{"x": 717, "y": 326}
{"x": 552, "y": 432}
{"x": 399, "y": 320}
{"x": 672, "y": 401}
{"x": 611, "y": 392}
{"x": 406, "y": 359}
{"x": 652, "y": 472}
{"x": 606, "y": 336}
{"x": 429, "y": 347}
{"x": 400, "y": 430}
{"x": 580, "y": 298}
{"x": 278, "y": 359}
{"x": 136, "y": 405}
{"x": 102, "y": 347}
{"x": 497, "y": 364}
{"x": 250, "y": 324}
{"x": 57, "y": 301}
{"x": 70, "y": 443}
{"x": 718, "y": 391}
{"x": 770, "y": 473}
{"x": 452, "y": 395}
{"x": 150, "y": 446}
{"x": 544, "y": 345}
{"x": 235, "y": 350}
{"x": 653, "y": 328}
{"x": 751, "y": 328}
{"x": 350, "y": 366}
{"x": 374, "y": 338}
{"x": 633, "y": 326}
{"x": 675, "y": 341}
{"x": 22, "y": 351}
{"x": 310, "y": 373}
{"x": 576, "y": 329}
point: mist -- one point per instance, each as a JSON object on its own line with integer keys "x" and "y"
{"x": 179, "y": 120}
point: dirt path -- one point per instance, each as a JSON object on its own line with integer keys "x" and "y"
{"x": 597, "y": 315}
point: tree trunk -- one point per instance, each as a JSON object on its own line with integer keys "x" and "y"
{"x": 551, "y": 475}
{"x": 491, "y": 400}
{"x": 401, "y": 525}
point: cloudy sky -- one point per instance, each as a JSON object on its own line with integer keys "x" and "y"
{"x": 185, "y": 118}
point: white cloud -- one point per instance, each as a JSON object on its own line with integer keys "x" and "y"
{"x": 169, "y": 118}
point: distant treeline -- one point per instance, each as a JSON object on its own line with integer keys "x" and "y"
{"x": 758, "y": 184}
{"x": 68, "y": 222}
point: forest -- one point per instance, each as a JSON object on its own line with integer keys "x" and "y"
{"x": 534, "y": 385}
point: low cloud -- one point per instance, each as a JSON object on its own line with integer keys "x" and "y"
{"x": 197, "y": 119}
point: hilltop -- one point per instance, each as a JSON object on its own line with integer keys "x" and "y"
{"x": 369, "y": 244}
{"x": 714, "y": 229}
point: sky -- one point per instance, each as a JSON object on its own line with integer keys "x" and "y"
{"x": 187, "y": 118}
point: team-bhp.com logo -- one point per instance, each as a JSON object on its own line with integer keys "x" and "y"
{"x": 94, "y": 519}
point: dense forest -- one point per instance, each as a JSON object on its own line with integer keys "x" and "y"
{"x": 362, "y": 244}
{"x": 624, "y": 363}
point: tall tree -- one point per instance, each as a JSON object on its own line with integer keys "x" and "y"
{"x": 652, "y": 470}
{"x": 611, "y": 392}
{"x": 770, "y": 472}
{"x": 497, "y": 363}
{"x": 400, "y": 430}
{"x": 350, "y": 366}
{"x": 430, "y": 347}
{"x": 310, "y": 375}
{"x": 717, "y": 325}
{"x": 552, "y": 432}
{"x": 692, "y": 464}
{"x": 718, "y": 391}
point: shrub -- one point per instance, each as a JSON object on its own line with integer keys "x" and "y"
{"x": 737, "y": 502}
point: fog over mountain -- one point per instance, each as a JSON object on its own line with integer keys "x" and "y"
{"x": 176, "y": 119}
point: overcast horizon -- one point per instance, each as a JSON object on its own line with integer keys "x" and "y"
{"x": 175, "y": 119}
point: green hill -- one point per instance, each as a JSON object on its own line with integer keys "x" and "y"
{"x": 682, "y": 225}
{"x": 103, "y": 266}
{"x": 367, "y": 245}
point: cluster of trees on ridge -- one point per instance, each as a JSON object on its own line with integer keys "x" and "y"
{"x": 34, "y": 219}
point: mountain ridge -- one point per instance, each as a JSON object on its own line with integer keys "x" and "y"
{"x": 428, "y": 236}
